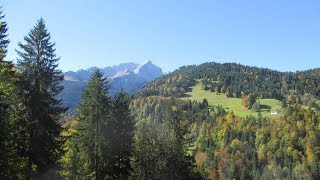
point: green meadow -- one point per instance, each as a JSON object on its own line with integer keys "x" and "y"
{"x": 232, "y": 104}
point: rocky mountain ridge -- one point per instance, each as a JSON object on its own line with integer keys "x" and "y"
{"x": 129, "y": 77}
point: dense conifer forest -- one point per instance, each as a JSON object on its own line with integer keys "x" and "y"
{"x": 237, "y": 80}
{"x": 158, "y": 133}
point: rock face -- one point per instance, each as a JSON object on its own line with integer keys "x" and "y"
{"x": 130, "y": 77}
{"x": 148, "y": 71}
{"x": 84, "y": 75}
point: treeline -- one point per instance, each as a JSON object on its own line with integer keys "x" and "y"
{"x": 236, "y": 80}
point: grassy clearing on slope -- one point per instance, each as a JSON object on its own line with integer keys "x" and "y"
{"x": 231, "y": 104}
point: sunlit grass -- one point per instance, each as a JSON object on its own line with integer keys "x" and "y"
{"x": 231, "y": 104}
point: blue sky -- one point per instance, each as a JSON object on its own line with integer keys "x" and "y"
{"x": 282, "y": 35}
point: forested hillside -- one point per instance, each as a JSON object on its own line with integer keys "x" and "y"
{"x": 237, "y": 80}
{"x": 227, "y": 146}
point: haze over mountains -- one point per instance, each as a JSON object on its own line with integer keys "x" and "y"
{"x": 130, "y": 77}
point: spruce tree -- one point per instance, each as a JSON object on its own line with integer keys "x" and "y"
{"x": 39, "y": 128}
{"x": 9, "y": 161}
{"x": 94, "y": 127}
{"x": 122, "y": 137}
{"x": 4, "y": 41}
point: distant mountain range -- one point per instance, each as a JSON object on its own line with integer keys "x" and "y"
{"x": 130, "y": 77}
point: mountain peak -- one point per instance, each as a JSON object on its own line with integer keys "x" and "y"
{"x": 145, "y": 65}
{"x": 148, "y": 62}
{"x": 148, "y": 71}
{"x": 128, "y": 76}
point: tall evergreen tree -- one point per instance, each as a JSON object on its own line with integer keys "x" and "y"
{"x": 94, "y": 127}
{"x": 4, "y": 41}
{"x": 8, "y": 157}
{"x": 122, "y": 137}
{"x": 38, "y": 89}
